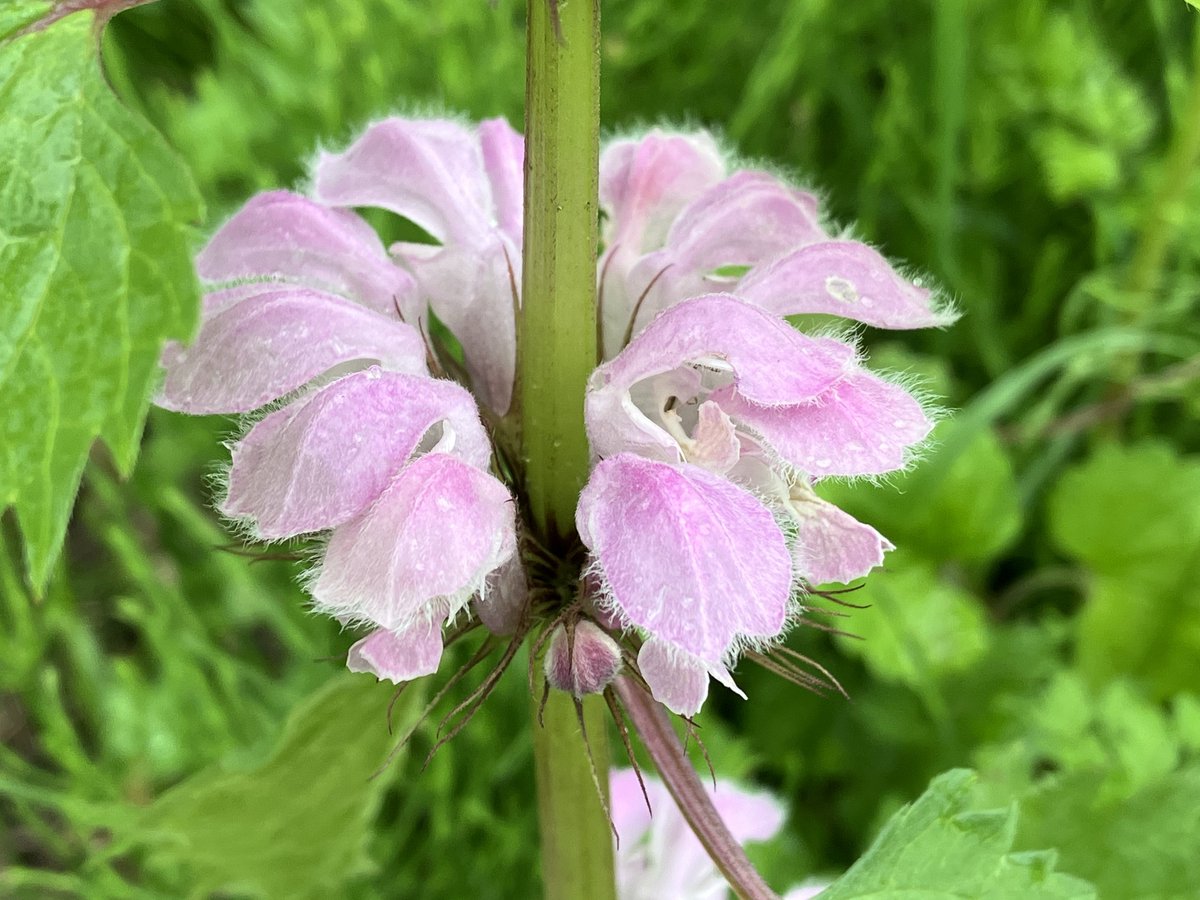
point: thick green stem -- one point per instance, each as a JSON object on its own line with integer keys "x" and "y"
{"x": 556, "y": 354}
{"x": 577, "y": 845}
{"x": 558, "y": 314}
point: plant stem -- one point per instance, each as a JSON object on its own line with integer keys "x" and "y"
{"x": 558, "y": 314}
{"x": 557, "y": 352}
{"x": 577, "y": 854}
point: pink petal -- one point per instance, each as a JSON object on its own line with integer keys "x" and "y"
{"x": 402, "y": 655}
{"x": 436, "y": 532}
{"x": 285, "y": 236}
{"x": 745, "y": 220}
{"x": 321, "y": 461}
{"x": 863, "y": 425}
{"x": 266, "y": 346}
{"x": 428, "y": 170}
{"x": 677, "y": 680}
{"x": 716, "y": 446}
{"x": 501, "y": 603}
{"x": 631, "y": 819}
{"x": 843, "y": 278}
{"x": 831, "y": 545}
{"x": 696, "y": 561}
{"x": 645, "y": 183}
{"x": 773, "y": 365}
{"x": 504, "y": 159}
{"x": 471, "y": 290}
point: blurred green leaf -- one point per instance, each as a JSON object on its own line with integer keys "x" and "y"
{"x": 95, "y": 269}
{"x": 296, "y": 825}
{"x": 938, "y": 848}
{"x": 918, "y": 629}
{"x": 1132, "y": 514}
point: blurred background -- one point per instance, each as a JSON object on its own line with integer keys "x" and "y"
{"x": 171, "y": 722}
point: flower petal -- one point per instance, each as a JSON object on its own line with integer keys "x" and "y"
{"x": 831, "y": 545}
{"x": 285, "y": 236}
{"x": 716, "y": 446}
{"x": 321, "y": 461}
{"x": 677, "y": 680}
{"x": 743, "y": 221}
{"x": 401, "y": 655}
{"x": 263, "y": 347}
{"x": 501, "y": 603}
{"x": 436, "y": 532}
{"x": 427, "y": 170}
{"x": 645, "y": 183}
{"x": 643, "y": 186}
{"x": 693, "y": 559}
{"x": 843, "y": 278}
{"x": 773, "y": 365}
{"x": 504, "y": 160}
{"x": 471, "y": 290}
{"x": 863, "y": 425}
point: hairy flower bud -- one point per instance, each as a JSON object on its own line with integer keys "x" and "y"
{"x": 581, "y": 659}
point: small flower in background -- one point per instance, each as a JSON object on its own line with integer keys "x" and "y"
{"x": 658, "y": 856}
{"x": 710, "y": 417}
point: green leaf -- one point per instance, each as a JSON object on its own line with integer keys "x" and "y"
{"x": 938, "y": 848}
{"x": 1132, "y": 515}
{"x": 296, "y": 825}
{"x": 918, "y": 628}
{"x": 18, "y": 14}
{"x": 95, "y": 271}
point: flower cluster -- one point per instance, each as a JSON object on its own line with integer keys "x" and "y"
{"x": 710, "y": 417}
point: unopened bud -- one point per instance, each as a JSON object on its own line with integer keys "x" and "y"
{"x": 581, "y": 659}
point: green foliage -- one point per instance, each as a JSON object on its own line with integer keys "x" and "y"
{"x": 95, "y": 269}
{"x": 1132, "y": 516}
{"x": 939, "y": 847}
{"x": 296, "y": 825}
{"x": 920, "y": 629}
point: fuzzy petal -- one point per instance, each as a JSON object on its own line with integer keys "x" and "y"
{"x": 693, "y": 559}
{"x": 744, "y": 221}
{"x": 831, "y": 545}
{"x": 323, "y": 460}
{"x": 644, "y": 184}
{"x": 284, "y": 236}
{"x": 773, "y": 364}
{"x": 427, "y": 170}
{"x": 504, "y": 159}
{"x": 471, "y": 290}
{"x": 843, "y": 278}
{"x": 677, "y": 680}
{"x": 402, "y": 655}
{"x": 716, "y": 446}
{"x": 863, "y": 425}
{"x": 501, "y": 603}
{"x": 263, "y": 347}
{"x": 436, "y": 532}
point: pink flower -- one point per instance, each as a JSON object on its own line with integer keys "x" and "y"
{"x": 659, "y": 858}
{"x": 464, "y": 186}
{"x": 711, "y": 426}
{"x": 308, "y": 318}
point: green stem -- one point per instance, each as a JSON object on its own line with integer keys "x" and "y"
{"x": 558, "y": 313}
{"x": 556, "y": 354}
{"x": 577, "y": 854}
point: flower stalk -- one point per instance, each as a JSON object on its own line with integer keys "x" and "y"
{"x": 556, "y": 354}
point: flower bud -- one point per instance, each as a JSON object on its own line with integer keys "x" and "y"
{"x": 581, "y": 659}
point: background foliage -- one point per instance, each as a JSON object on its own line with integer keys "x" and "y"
{"x": 171, "y": 724}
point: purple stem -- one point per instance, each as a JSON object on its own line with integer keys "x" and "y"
{"x": 664, "y": 747}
